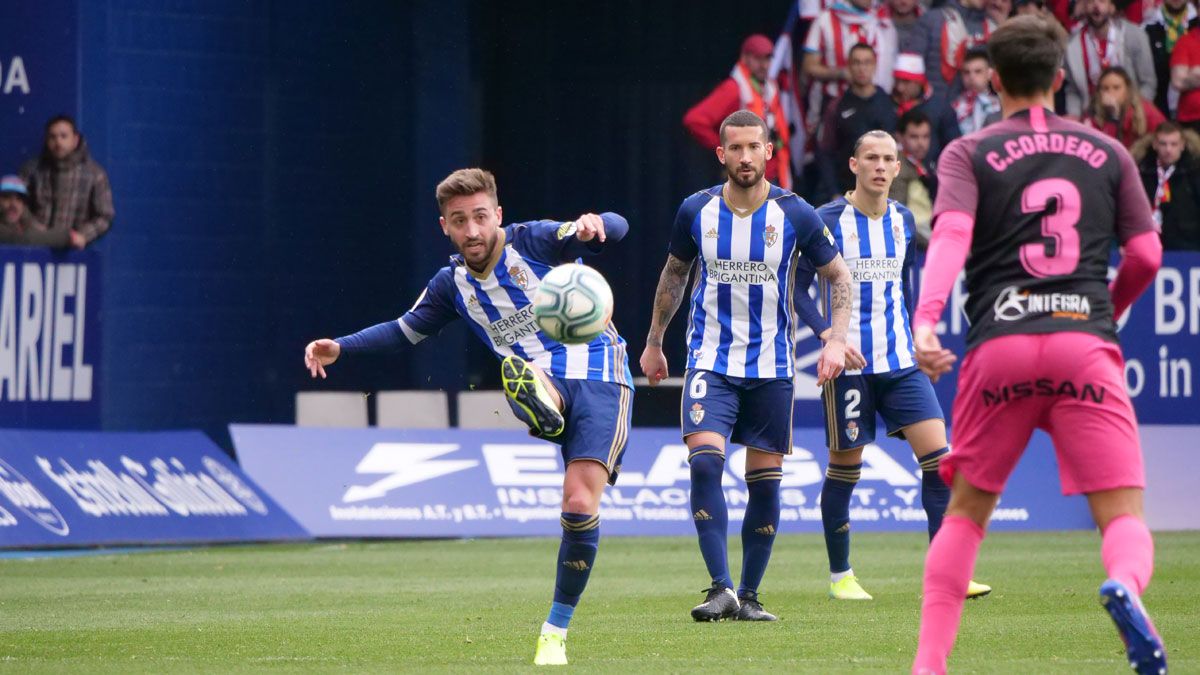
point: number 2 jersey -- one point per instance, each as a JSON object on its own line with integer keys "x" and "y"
{"x": 741, "y": 318}
{"x": 497, "y": 306}
{"x": 1047, "y": 196}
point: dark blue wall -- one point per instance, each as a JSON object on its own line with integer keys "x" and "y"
{"x": 273, "y": 166}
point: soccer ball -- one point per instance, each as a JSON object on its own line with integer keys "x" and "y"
{"x": 573, "y": 304}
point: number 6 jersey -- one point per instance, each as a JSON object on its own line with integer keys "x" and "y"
{"x": 1047, "y": 196}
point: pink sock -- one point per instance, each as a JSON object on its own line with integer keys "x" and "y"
{"x": 1128, "y": 552}
{"x": 948, "y": 568}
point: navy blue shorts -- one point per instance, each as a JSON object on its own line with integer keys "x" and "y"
{"x": 901, "y": 397}
{"x": 754, "y": 412}
{"x": 597, "y": 416}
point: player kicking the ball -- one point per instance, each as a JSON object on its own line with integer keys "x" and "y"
{"x": 876, "y": 237}
{"x": 1042, "y": 348}
{"x": 579, "y": 396}
{"x": 748, "y": 236}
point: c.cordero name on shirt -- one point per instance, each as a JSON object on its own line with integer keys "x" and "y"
{"x": 741, "y": 272}
{"x": 511, "y": 329}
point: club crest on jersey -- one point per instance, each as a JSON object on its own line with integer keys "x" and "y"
{"x": 852, "y": 431}
{"x": 711, "y": 234}
{"x": 566, "y": 229}
{"x": 519, "y": 277}
{"x": 770, "y": 236}
{"x": 898, "y": 232}
{"x": 697, "y": 413}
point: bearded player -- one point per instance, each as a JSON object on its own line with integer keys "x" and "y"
{"x": 747, "y": 237}
{"x": 578, "y": 396}
{"x": 1042, "y": 348}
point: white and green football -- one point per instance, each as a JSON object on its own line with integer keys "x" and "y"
{"x": 573, "y": 304}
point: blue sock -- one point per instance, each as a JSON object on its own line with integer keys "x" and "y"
{"x": 576, "y": 555}
{"x": 709, "y": 511}
{"x": 835, "y": 512}
{"x": 759, "y": 526}
{"x": 935, "y": 494}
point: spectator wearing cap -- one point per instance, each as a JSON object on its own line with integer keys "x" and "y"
{"x": 747, "y": 88}
{"x": 1169, "y": 162}
{"x": 912, "y": 92}
{"x": 916, "y": 184}
{"x": 68, "y": 190}
{"x": 833, "y": 34}
{"x": 17, "y": 224}
{"x": 862, "y": 108}
{"x": 976, "y": 106}
{"x": 1103, "y": 40}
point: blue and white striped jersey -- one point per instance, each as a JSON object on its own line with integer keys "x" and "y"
{"x": 881, "y": 256}
{"x": 498, "y": 306}
{"x": 741, "y": 319}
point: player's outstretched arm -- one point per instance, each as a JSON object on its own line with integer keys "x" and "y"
{"x": 672, "y": 284}
{"x": 833, "y": 354}
{"x": 321, "y": 353}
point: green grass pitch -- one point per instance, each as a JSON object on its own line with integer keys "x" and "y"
{"x": 476, "y": 606}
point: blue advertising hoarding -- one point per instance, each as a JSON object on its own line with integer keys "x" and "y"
{"x": 39, "y": 74}
{"x": 1160, "y": 337}
{"x": 49, "y": 338}
{"x": 468, "y": 483}
{"x": 62, "y": 489}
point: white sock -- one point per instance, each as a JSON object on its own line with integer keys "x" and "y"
{"x": 838, "y": 576}
{"x": 548, "y": 627}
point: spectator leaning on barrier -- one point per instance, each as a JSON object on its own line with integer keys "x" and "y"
{"x": 916, "y": 184}
{"x": 1104, "y": 40}
{"x": 1169, "y": 162}
{"x": 69, "y": 190}
{"x": 17, "y": 224}
{"x": 860, "y": 109}
{"x": 1118, "y": 109}
{"x": 1185, "y": 77}
{"x": 1165, "y": 26}
{"x": 747, "y": 88}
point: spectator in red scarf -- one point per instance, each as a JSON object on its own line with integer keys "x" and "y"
{"x": 1119, "y": 110}
{"x": 1165, "y": 27}
{"x": 1104, "y": 40}
{"x": 746, "y": 88}
{"x": 1169, "y": 162}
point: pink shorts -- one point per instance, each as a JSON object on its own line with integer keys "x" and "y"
{"x": 1072, "y": 385}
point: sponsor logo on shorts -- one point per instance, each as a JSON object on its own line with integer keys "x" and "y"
{"x": 770, "y": 236}
{"x": 852, "y": 431}
{"x": 697, "y": 413}
{"x": 566, "y": 229}
{"x": 1014, "y": 304}
{"x": 1043, "y": 387}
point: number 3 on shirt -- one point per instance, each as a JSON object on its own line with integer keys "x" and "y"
{"x": 1058, "y": 226}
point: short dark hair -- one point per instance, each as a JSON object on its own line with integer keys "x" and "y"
{"x": 874, "y": 133}
{"x": 1027, "y": 51}
{"x": 62, "y": 118}
{"x": 464, "y": 183}
{"x": 745, "y": 118}
{"x": 862, "y": 45}
{"x": 913, "y": 117}
{"x": 1168, "y": 127}
{"x": 975, "y": 53}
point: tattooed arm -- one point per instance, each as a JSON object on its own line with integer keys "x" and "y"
{"x": 833, "y": 355}
{"x": 672, "y": 284}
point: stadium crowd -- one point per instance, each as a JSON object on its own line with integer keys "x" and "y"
{"x": 61, "y": 198}
{"x": 921, "y": 71}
